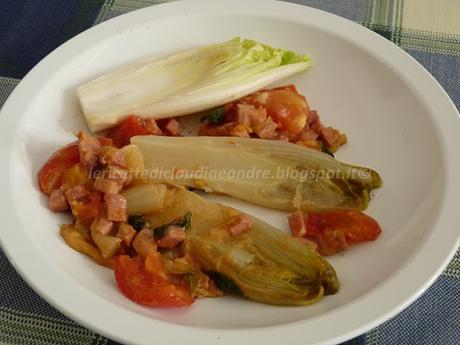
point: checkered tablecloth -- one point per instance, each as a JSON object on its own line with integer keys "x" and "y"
{"x": 429, "y": 30}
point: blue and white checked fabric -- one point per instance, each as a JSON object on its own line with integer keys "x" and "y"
{"x": 428, "y": 30}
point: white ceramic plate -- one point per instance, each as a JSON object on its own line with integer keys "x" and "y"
{"x": 398, "y": 119}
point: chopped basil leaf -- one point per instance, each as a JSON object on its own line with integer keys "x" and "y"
{"x": 137, "y": 221}
{"x": 215, "y": 116}
{"x": 187, "y": 221}
{"x": 326, "y": 150}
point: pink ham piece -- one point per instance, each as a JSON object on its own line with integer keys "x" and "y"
{"x": 332, "y": 138}
{"x": 118, "y": 174}
{"x": 267, "y": 129}
{"x": 111, "y": 156}
{"x": 239, "y": 223}
{"x": 76, "y": 193}
{"x": 249, "y": 115}
{"x": 174, "y": 236}
{"x": 107, "y": 186}
{"x": 173, "y": 128}
{"x": 102, "y": 226}
{"x": 57, "y": 201}
{"x": 116, "y": 207}
{"x": 89, "y": 148}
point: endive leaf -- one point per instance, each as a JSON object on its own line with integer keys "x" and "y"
{"x": 187, "y": 82}
{"x": 270, "y": 173}
{"x": 264, "y": 263}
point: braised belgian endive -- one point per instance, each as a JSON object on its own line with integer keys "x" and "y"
{"x": 270, "y": 173}
{"x": 186, "y": 82}
{"x": 265, "y": 264}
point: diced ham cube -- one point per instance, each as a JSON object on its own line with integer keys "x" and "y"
{"x": 102, "y": 226}
{"x": 76, "y": 193}
{"x": 297, "y": 224}
{"x": 172, "y": 238}
{"x": 110, "y": 155}
{"x": 172, "y": 127}
{"x": 317, "y": 127}
{"x": 107, "y": 186}
{"x": 118, "y": 174}
{"x": 116, "y": 207}
{"x": 249, "y": 115}
{"x": 144, "y": 243}
{"x": 152, "y": 127}
{"x": 312, "y": 117}
{"x": 267, "y": 129}
{"x": 239, "y": 223}
{"x": 333, "y": 138}
{"x": 307, "y": 134}
{"x": 126, "y": 233}
{"x": 89, "y": 149}
{"x": 57, "y": 201}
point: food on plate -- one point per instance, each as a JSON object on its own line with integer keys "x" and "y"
{"x": 265, "y": 264}
{"x": 333, "y": 231}
{"x": 280, "y": 113}
{"x": 130, "y": 190}
{"x": 274, "y": 174}
{"x": 167, "y": 245}
{"x": 186, "y": 82}
{"x": 134, "y": 125}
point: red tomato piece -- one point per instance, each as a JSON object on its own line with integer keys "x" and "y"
{"x": 130, "y": 127}
{"x": 148, "y": 289}
{"x": 334, "y": 231}
{"x": 356, "y": 225}
{"x": 50, "y": 175}
{"x": 314, "y": 224}
{"x": 104, "y": 141}
{"x": 288, "y": 109}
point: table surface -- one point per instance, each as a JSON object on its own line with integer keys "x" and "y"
{"x": 428, "y": 30}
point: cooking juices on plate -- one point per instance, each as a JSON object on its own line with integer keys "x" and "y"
{"x": 130, "y": 190}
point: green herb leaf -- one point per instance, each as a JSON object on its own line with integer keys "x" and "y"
{"x": 215, "y": 116}
{"x": 326, "y": 150}
{"x": 137, "y": 221}
{"x": 224, "y": 283}
{"x": 187, "y": 221}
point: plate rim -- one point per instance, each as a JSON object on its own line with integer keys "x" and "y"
{"x": 426, "y": 84}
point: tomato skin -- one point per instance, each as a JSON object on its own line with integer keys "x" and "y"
{"x": 50, "y": 175}
{"x": 333, "y": 231}
{"x": 130, "y": 127}
{"x": 356, "y": 226}
{"x": 288, "y": 109}
{"x": 146, "y": 288}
